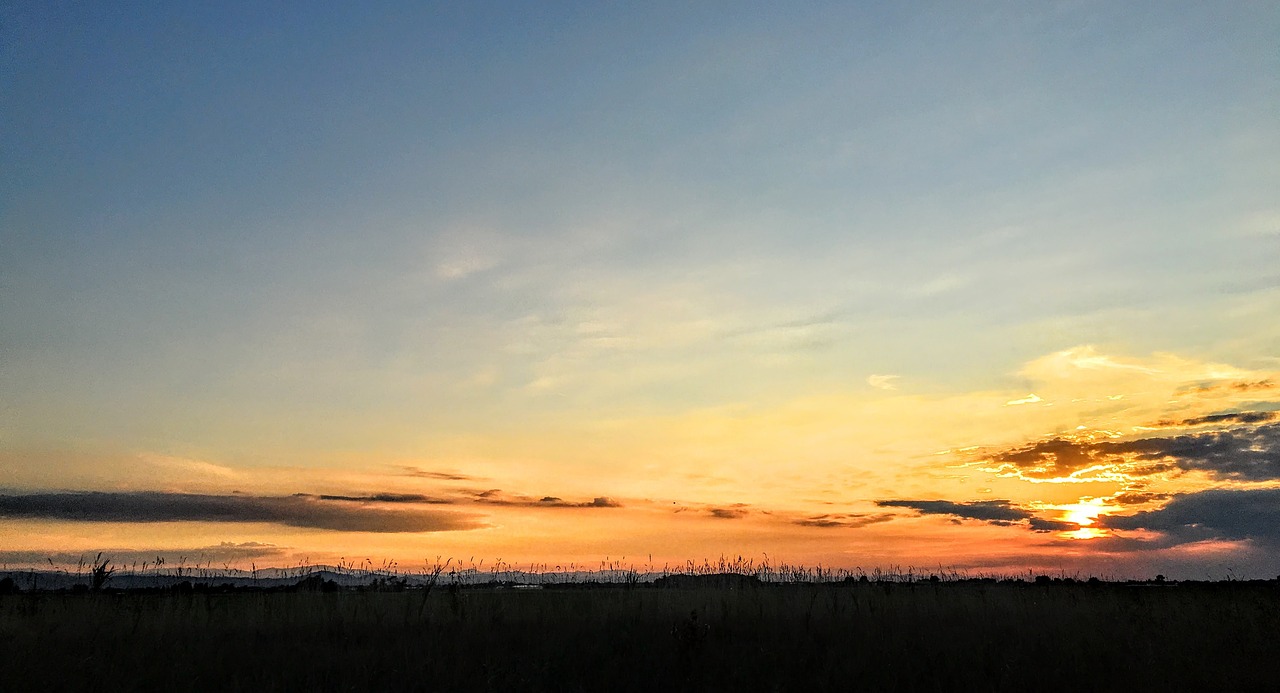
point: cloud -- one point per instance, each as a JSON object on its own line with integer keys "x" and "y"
{"x": 733, "y": 513}
{"x": 464, "y": 266}
{"x": 1040, "y": 524}
{"x": 1246, "y": 454}
{"x": 300, "y": 510}
{"x": 460, "y": 252}
{"x": 993, "y": 511}
{"x": 1073, "y": 362}
{"x": 1049, "y": 459}
{"x": 1215, "y": 514}
{"x": 439, "y": 476}
{"x": 798, "y": 335}
{"x": 851, "y": 520}
{"x": 1029, "y": 399}
{"x": 188, "y": 466}
{"x": 1243, "y": 453}
{"x": 498, "y": 497}
{"x": 387, "y": 498}
{"x": 1002, "y": 513}
{"x": 883, "y": 382}
{"x": 597, "y": 502}
{"x": 1138, "y": 497}
{"x": 1242, "y": 417}
{"x": 1239, "y": 386}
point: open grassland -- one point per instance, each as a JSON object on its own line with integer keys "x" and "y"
{"x": 844, "y": 636}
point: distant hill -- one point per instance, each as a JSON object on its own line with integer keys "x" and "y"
{"x": 714, "y": 580}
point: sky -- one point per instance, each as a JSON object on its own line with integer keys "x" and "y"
{"x": 985, "y": 286}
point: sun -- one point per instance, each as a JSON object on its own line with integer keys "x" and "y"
{"x": 1085, "y": 513}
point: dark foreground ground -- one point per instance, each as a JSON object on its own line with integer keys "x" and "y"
{"x": 843, "y": 637}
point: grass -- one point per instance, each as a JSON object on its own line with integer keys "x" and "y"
{"x": 920, "y": 636}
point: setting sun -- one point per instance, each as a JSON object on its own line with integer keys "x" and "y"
{"x": 1084, "y": 512}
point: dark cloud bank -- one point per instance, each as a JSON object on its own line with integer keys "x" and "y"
{"x": 1214, "y": 514}
{"x": 1003, "y": 513}
{"x": 375, "y": 512}
{"x": 336, "y": 513}
{"x": 993, "y": 511}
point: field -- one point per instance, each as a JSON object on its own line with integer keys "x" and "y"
{"x": 922, "y": 636}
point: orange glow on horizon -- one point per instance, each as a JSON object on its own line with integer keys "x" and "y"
{"x": 1084, "y": 533}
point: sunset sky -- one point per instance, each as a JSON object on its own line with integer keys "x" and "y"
{"x": 991, "y": 286}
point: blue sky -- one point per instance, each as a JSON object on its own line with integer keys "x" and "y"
{"x": 264, "y": 233}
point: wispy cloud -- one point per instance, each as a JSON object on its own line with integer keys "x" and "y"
{"x": 1082, "y": 359}
{"x": 188, "y": 466}
{"x": 436, "y": 475}
{"x": 1237, "y": 386}
{"x": 464, "y": 266}
{"x": 388, "y": 498}
{"x": 730, "y": 513}
{"x": 848, "y": 520}
{"x": 883, "y": 382}
{"x": 498, "y": 497}
{"x": 808, "y": 333}
{"x": 461, "y": 252}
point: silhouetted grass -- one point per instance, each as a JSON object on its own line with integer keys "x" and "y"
{"x": 839, "y": 636}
